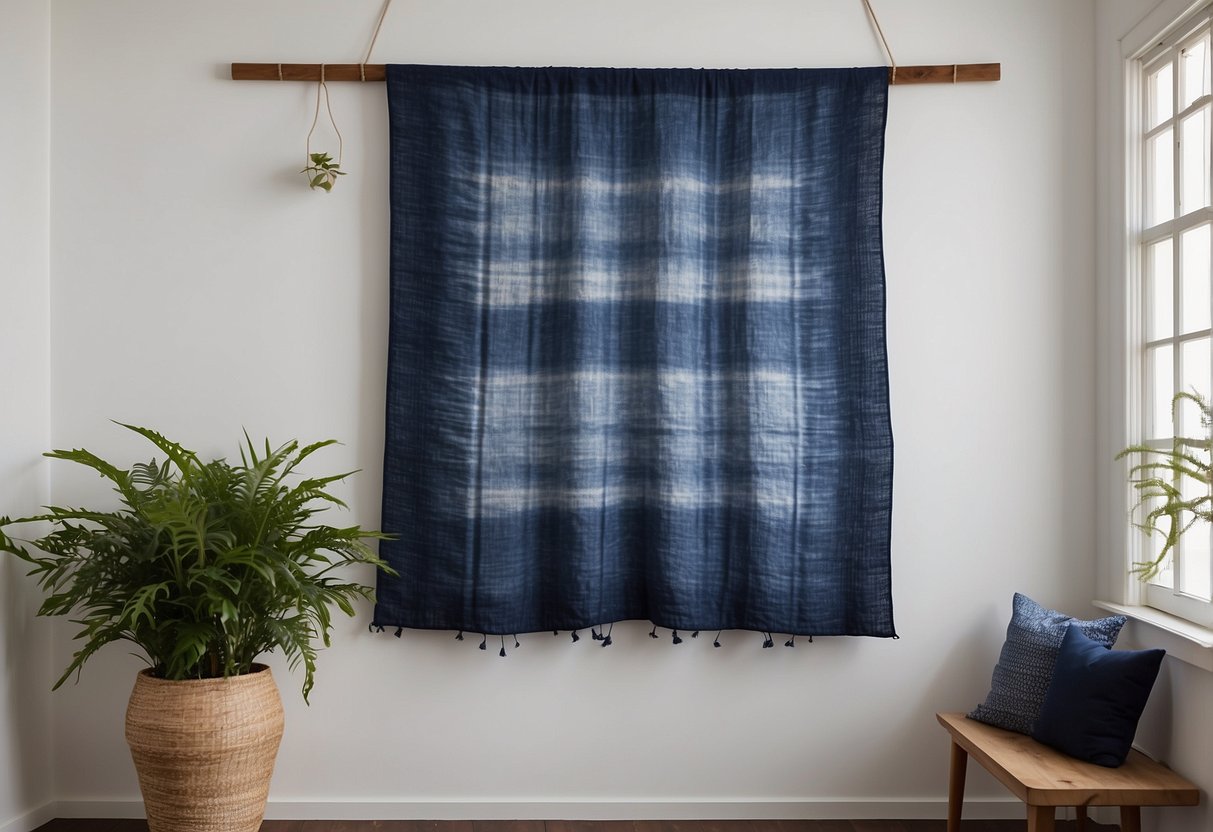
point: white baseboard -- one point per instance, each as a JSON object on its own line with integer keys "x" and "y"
{"x": 870, "y": 809}
{"x": 31, "y": 820}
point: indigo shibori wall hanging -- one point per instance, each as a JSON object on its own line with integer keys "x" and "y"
{"x": 637, "y": 362}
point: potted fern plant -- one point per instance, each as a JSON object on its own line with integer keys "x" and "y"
{"x": 204, "y": 567}
{"x": 1164, "y": 480}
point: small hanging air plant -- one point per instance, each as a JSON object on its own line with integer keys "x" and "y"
{"x": 322, "y": 172}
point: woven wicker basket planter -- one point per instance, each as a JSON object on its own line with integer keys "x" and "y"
{"x": 204, "y": 750}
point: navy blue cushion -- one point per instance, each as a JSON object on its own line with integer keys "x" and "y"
{"x": 1096, "y": 698}
{"x": 1025, "y": 666}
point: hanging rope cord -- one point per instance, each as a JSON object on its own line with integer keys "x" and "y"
{"x": 307, "y": 147}
{"x": 884, "y": 42}
{"x": 328, "y": 105}
{"x": 366, "y": 59}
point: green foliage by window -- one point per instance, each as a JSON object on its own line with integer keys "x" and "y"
{"x": 205, "y": 566}
{"x": 1173, "y": 484}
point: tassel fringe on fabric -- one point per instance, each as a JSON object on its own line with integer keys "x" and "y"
{"x": 603, "y": 635}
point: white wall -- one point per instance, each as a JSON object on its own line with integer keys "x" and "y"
{"x": 200, "y": 287}
{"x": 25, "y": 774}
{"x": 1177, "y": 726}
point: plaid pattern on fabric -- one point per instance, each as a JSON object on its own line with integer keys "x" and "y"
{"x": 637, "y": 361}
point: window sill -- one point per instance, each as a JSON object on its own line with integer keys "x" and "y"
{"x": 1182, "y": 639}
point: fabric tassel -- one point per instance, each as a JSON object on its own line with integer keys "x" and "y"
{"x": 516, "y": 642}
{"x": 595, "y": 634}
{"x": 399, "y": 631}
{"x": 484, "y": 640}
{"x": 716, "y": 642}
{"x": 502, "y": 653}
{"x": 695, "y": 634}
{"x": 575, "y": 636}
{"x": 810, "y": 639}
{"x": 606, "y": 639}
{"x": 791, "y": 642}
{"x": 459, "y": 636}
{"x": 653, "y": 632}
{"x": 378, "y": 628}
{"x": 770, "y": 642}
{"x": 370, "y": 628}
{"x": 677, "y": 640}
{"x": 555, "y": 632}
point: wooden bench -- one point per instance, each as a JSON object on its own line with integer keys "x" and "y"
{"x": 1045, "y": 779}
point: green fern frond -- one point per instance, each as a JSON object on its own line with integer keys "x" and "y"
{"x": 206, "y": 565}
{"x": 1164, "y": 480}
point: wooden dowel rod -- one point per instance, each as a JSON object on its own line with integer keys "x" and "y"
{"x": 306, "y": 72}
{"x": 945, "y": 73}
{"x": 939, "y": 74}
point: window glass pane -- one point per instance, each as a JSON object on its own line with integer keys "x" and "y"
{"x": 1195, "y": 569}
{"x": 1194, "y": 71}
{"x": 1194, "y": 545}
{"x": 1194, "y": 161}
{"x": 1160, "y": 384}
{"x": 1160, "y": 291}
{"x": 1194, "y": 286}
{"x": 1150, "y": 548}
{"x": 1161, "y": 95}
{"x": 1160, "y": 188}
{"x": 1194, "y": 377}
{"x": 1165, "y": 576}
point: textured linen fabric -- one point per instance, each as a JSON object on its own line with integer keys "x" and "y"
{"x": 637, "y": 361}
{"x": 1025, "y": 665}
{"x": 1096, "y": 699}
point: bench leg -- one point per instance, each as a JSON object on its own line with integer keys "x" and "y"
{"x": 1040, "y": 818}
{"x": 956, "y": 786}
{"x": 1130, "y": 819}
{"x": 1080, "y": 817}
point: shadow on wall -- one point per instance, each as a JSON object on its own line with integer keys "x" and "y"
{"x": 26, "y": 687}
{"x": 1156, "y": 728}
{"x": 372, "y": 287}
{"x": 954, "y": 680}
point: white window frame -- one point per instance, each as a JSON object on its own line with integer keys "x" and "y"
{"x": 1121, "y": 298}
{"x": 1169, "y": 48}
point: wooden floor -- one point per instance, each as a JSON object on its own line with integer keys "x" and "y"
{"x": 70, "y": 825}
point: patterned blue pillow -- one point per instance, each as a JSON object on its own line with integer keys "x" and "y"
{"x": 1025, "y": 666}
